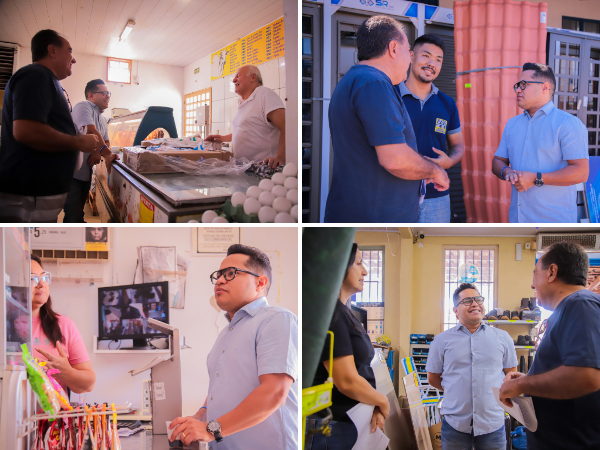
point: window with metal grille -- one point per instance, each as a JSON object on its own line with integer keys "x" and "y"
{"x": 190, "y": 103}
{"x": 476, "y": 265}
{"x": 7, "y": 61}
{"x": 371, "y": 298}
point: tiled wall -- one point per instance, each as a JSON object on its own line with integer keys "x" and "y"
{"x": 225, "y": 100}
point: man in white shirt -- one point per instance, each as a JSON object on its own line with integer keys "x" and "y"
{"x": 259, "y": 125}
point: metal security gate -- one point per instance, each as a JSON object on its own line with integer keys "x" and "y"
{"x": 311, "y": 111}
{"x": 576, "y": 64}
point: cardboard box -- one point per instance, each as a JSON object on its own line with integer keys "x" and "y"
{"x": 435, "y": 433}
{"x": 148, "y": 161}
{"x": 417, "y": 412}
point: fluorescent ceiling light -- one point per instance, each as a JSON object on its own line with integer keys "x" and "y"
{"x": 127, "y": 30}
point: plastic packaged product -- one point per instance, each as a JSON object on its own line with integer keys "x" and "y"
{"x": 40, "y": 384}
{"x": 116, "y": 443}
{"x": 52, "y": 439}
{"x": 60, "y": 393}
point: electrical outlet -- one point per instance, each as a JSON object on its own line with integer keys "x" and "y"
{"x": 528, "y": 245}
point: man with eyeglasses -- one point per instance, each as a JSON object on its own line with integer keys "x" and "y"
{"x": 88, "y": 114}
{"x": 547, "y": 150}
{"x": 40, "y": 143}
{"x": 564, "y": 379}
{"x": 252, "y": 400}
{"x": 466, "y": 361}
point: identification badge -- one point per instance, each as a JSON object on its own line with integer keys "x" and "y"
{"x": 440, "y": 126}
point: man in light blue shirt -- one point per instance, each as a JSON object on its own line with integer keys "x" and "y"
{"x": 466, "y": 361}
{"x": 547, "y": 151}
{"x": 88, "y": 115}
{"x": 252, "y": 400}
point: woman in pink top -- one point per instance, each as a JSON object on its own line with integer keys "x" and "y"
{"x": 56, "y": 339}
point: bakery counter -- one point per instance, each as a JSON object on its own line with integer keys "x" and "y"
{"x": 130, "y": 197}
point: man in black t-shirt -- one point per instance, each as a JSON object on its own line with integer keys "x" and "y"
{"x": 39, "y": 140}
{"x": 564, "y": 379}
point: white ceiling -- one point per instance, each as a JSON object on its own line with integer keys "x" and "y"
{"x": 484, "y": 230}
{"x": 172, "y": 32}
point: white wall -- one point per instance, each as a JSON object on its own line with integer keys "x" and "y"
{"x": 159, "y": 85}
{"x": 79, "y": 301}
{"x": 224, "y": 98}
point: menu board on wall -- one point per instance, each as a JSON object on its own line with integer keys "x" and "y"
{"x": 258, "y": 47}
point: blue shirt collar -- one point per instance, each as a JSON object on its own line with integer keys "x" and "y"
{"x": 461, "y": 327}
{"x": 405, "y": 91}
{"x": 251, "y": 308}
{"x": 547, "y": 108}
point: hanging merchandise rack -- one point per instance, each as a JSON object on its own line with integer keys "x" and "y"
{"x": 27, "y": 428}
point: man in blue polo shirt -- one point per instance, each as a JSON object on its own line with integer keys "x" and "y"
{"x": 377, "y": 173}
{"x": 564, "y": 379}
{"x": 547, "y": 150}
{"x": 434, "y": 117}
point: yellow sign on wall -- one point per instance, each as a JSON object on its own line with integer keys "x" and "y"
{"x": 258, "y": 47}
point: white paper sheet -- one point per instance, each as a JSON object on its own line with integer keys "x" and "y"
{"x": 361, "y": 415}
{"x": 522, "y": 409}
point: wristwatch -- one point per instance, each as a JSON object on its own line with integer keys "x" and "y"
{"x": 539, "y": 181}
{"x": 214, "y": 428}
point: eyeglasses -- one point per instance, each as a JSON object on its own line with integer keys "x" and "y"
{"x": 105, "y": 93}
{"x": 68, "y": 101}
{"x": 46, "y": 277}
{"x": 523, "y": 84}
{"x": 468, "y": 301}
{"x": 229, "y": 273}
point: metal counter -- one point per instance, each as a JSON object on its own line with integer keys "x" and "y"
{"x": 145, "y": 440}
{"x": 127, "y": 196}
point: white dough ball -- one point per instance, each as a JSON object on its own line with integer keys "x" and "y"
{"x": 238, "y": 198}
{"x": 253, "y": 191}
{"x": 266, "y": 214}
{"x": 284, "y": 217}
{"x": 220, "y": 220}
{"x": 208, "y": 216}
{"x": 251, "y": 205}
{"x": 291, "y": 183}
{"x": 266, "y": 184}
{"x": 294, "y": 212}
{"x": 279, "y": 191}
{"x": 193, "y": 221}
{"x": 290, "y": 170}
{"x": 292, "y": 196}
{"x": 278, "y": 178}
{"x": 282, "y": 204}
{"x": 266, "y": 198}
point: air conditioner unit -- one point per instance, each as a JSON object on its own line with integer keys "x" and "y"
{"x": 589, "y": 241}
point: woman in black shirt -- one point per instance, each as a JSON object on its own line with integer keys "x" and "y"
{"x": 353, "y": 378}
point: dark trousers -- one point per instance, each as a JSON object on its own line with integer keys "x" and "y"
{"x": 76, "y": 198}
{"x": 343, "y": 437}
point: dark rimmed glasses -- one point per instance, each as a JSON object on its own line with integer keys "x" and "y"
{"x": 229, "y": 274}
{"x": 46, "y": 277}
{"x": 105, "y": 93}
{"x": 468, "y": 301}
{"x": 523, "y": 84}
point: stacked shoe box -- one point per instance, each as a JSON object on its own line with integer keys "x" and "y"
{"x": 419, "y": 350}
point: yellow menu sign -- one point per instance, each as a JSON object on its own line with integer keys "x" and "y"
{"x": 258, "y": 47}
